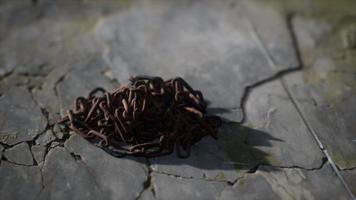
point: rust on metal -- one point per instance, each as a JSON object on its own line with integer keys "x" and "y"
{"x": 148, "y": 117}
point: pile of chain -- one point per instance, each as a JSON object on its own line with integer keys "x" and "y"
{"x": 149, "y": 117}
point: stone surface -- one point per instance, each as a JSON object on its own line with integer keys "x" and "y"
{"x": 270, "y": 110}
{"x": 21, "y": 118}
{"x": 19, "y": 182}
{"x": 46, "y": 95}
{"x": 45, "y": 138}
{"x": 119, "y": 178}
{"x": 19, "y": 154}
{"x": 275, "y": 183}
{"x": 325, "y": 91}
{"x": 66, "y": 178}
{"x": 58, "y": 132}
{"x": 209, "y": 44}
{"x": 271, "y": 29}
{"x": 350, "y": 178}
{"x": 170, "y": 187}
{"x": 38, "y": 152}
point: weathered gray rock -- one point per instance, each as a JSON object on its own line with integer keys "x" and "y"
{"x": 21, "y": 118}
{"x": 66, "y": 178}
{"x": 225, "y": 159}
{"x": 19, "y": 182}
{"x": 276, "y": 183}
{"x": 170, "y": 187}
{"x": 57, "y": 131}
{"x": 45, "y": 138}
{"x": 119, "y": 178}
{"x": 269, "y": 110}
{"x": 326, "y": 94}
{"x": 54, "y": 144}
{"x": 38, "y": 152}
{"x": 46, "y": 96}
{"x": 208, "y": 43}
{"x": 19, "y": 154}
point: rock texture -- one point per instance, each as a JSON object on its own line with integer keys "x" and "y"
{"x": 19, "y": 182}
{"x": 270, "y": 110}
{"x": 21, "y": 117}
{"x": 325, "y": 92}
{"x": 19, "y": 154}
{"x": 270, "y": 183}
{"x": 170, "y": 187}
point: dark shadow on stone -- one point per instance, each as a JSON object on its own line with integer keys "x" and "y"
{"x": 217, "y": 110}
{"x": 236, "y": 148}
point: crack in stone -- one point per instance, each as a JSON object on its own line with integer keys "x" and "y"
{"x": 30, "y": 143}
{"x": 248, "y": 89}
{"x": 44, "y": 111}
{"x": 324, "y": 161}
{"x": 41, "y": 168}
{"x": 346, "y": 169}
{"x": 293, "y": 99}
{"x": 189, "y": 178}
{"x": 42, "y": 178}
{"x": 279, "y": 74}
{"x": 148, "y": 184}
{"x": 14, "y": 163}
{"x": 252, "y": 170}
{"x": 57, "y": 82}
{"x": 2, "y": 77}
{"x": 92, "y": 178}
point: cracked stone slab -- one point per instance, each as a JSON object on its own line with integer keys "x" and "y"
{"x": 119, "y": 178}
{"x": 325, "y": 91}
{"x": 225, "y": 159}
{"x": 175, "y": 188}
{"x": 19, "y": 154}
{"x": 270, "y": 110}
{"x": 207, "y": 43}
{"x": 46, "y": 95}
{"x": 45, "y": 138}
{"x": 57, "y": 131}
{"x": 19, "y": 182}
{"x": 21, "y": 117}
{"x": 287, "y": 183}
{"x": 66, "y": 178}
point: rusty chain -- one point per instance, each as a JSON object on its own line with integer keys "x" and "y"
{"x": 148, "y": 117}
